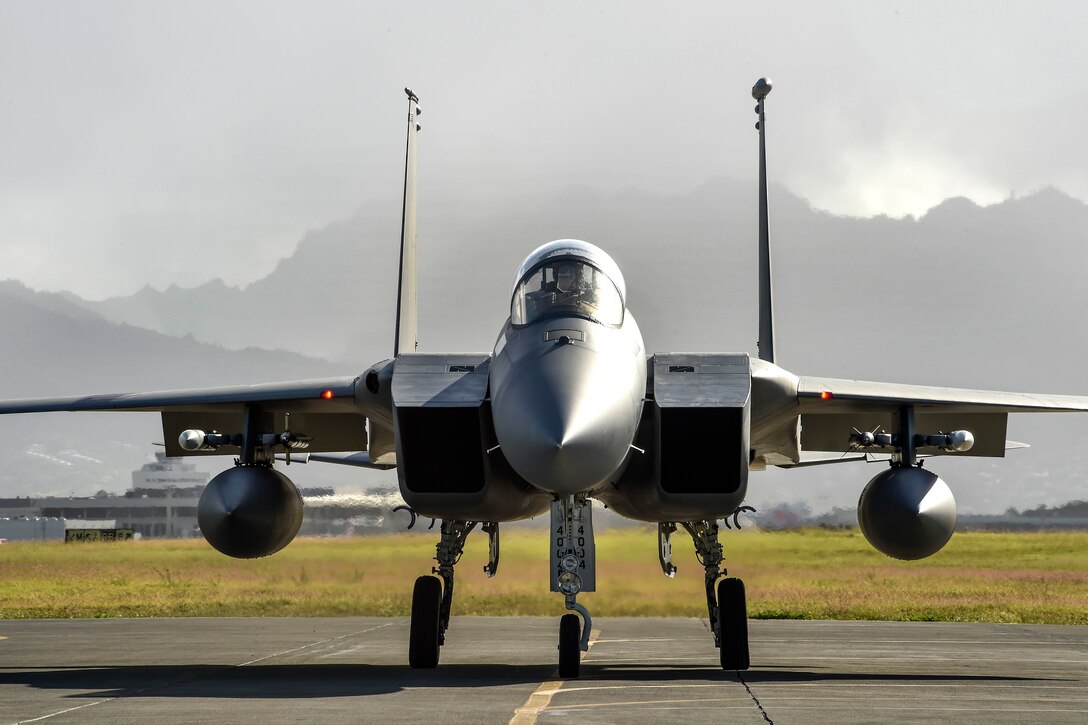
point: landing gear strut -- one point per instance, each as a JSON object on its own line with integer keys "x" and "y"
{"x": 432, "y": 597}
{"x": 725, "y": 598}
{"x": 573, "y": 570}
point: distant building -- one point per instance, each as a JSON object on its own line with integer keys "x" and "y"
{"x": 161, "y": 504}
{"x": 163, "y": 500}
{"x": 167, "y": 477}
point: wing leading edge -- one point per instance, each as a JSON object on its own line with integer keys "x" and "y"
{"x": 836, "y": 395}
{"x": 324, "y": 409}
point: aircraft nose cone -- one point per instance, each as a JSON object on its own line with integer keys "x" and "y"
{"x": 563, "y": 423}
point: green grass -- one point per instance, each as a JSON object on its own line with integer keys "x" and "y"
{"x": 808, "y": 574}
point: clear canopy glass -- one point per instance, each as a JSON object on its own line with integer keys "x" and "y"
{"x": 565, "y": 287}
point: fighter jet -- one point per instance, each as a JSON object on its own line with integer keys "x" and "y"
{"x": 566, "y": 409}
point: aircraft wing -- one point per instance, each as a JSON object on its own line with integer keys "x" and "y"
{"x": 858, "y": 394}
{"x": 832, "y": 409}
{"x": 324, "y": 409}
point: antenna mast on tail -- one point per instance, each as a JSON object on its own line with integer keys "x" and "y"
{"x": 405, "y": 335}
{"x": 766, "y": 293}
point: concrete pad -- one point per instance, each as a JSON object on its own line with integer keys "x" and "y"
{"x": 499, "y": 670}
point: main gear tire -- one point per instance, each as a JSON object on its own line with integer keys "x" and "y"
{"x": 424, "y": 638}
{"x": 733, "y": 624}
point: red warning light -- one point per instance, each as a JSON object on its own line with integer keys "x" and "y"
{"x": 826, "y": 395}
{"x": 327, "y": 395}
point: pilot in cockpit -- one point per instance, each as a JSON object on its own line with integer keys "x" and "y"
{"x": 565, "y": 287}
{"x": 560, "y": 292}
{"x": 571, "y": 289}
{"x": 566, "y": 282}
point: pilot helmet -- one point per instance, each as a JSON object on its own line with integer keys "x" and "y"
{"x": 565, "y": 275}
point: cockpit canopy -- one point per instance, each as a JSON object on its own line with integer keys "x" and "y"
{"x": 566, "y": 278}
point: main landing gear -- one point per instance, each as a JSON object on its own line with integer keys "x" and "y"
{"x": 573, "y": 565}
{"x": 432, "y": 597}
{"x": 725, "y": 599}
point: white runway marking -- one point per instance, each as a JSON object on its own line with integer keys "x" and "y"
{"x": 71, "y": 709}
{"x": 867, "y": 642}
{"x": 822, "y": 684}
{"x": 315, "y": 644}
{"x": 594, "y": 705}
{"x": 931, "y": 658}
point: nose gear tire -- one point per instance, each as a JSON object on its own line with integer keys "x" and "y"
{"x": 570, "y": 651}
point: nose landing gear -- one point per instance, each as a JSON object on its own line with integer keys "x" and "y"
{"x": 574, "y": 570}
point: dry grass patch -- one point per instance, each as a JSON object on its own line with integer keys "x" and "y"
{"x": 811, "y": 574}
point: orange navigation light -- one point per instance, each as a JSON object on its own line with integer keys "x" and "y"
{"x": 826, "y": 395}
{"x": 327, "y": 395}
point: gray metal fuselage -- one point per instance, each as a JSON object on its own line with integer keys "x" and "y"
{"x": 567, "y": 394}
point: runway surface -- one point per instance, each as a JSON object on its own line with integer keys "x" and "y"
{"x": 501, "y": 670}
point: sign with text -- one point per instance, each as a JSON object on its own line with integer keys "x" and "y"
{"x": 71, "y": 535}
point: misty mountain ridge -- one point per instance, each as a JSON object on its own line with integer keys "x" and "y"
{"x": 985, "y": 297}
{"x": 689, "y": 261}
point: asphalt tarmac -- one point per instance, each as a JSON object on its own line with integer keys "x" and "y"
{"x": 502, "y": 670}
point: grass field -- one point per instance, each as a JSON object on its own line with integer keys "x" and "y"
{"x": 807, "y": 574}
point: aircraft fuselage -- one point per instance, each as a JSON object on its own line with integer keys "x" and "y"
{"x": 567, "y": 395}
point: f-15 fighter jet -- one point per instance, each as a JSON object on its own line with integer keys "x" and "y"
{"x": 568, "y": 407}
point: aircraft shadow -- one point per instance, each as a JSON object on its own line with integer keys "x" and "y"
{"x": 266, "y": 681}
{"x": 359, "y": 680}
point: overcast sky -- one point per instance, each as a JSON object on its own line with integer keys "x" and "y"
{"x": 177, "y": 142}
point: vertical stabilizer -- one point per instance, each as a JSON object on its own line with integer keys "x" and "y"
{"x": 405, "y": 338}
{"x": 766, "y": 292}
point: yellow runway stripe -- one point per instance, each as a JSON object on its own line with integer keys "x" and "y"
{"x": 542, "y": 695}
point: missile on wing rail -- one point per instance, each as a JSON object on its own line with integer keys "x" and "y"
{"x": 958, "y": 441}
{"x": 198, "y": 440}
